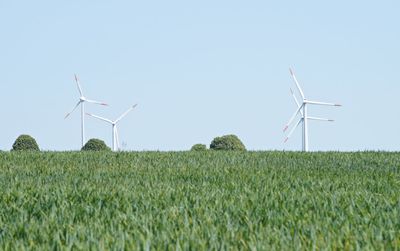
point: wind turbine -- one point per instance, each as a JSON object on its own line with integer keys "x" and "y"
{"x": 115, "y": 138}
{"x": 82, "y": 100}
{"x": 302, "y": 110}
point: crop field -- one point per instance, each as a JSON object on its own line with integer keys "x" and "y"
{"x": 199, "y": 201}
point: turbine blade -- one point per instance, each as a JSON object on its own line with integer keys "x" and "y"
{"x": 67, "y": 115}
{"x": 79, "y": 85}
{"x": 295, "y": 100}
{"x": 294, "y": 128}
{"x": 322, "y": 103}
{"x": 293, "y": 117}
{"x": 98, "y": 117}
{"x": 96, "y": 102}
{"x": 296, "y": 82}
{"x": 125, "y": 113}
{"x": 294, "y": 97}
{"x": 320, "y": 119}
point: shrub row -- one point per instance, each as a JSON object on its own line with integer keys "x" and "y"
{"x": 226, "y": 143}
{"x": 28, "y": 143}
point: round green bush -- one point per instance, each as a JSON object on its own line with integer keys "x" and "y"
{"x": 25, "y": 143}
{"x": 199, "y": 147}
{"x": 95, "y": 145}
{"x": 227, "y": 143}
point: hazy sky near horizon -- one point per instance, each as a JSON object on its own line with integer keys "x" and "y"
{"x": 201, "y": 69}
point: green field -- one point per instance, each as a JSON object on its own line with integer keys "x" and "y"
{"x": 199, "y": 200}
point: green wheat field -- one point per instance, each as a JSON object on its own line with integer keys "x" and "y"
{"x": 199, "y": 201}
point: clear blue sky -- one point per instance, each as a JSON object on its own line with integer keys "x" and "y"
{"x": 200, "y": 69}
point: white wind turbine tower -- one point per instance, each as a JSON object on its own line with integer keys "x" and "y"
{"x": 82, "y": 100}
{"x": 302, "y": 110}
{"x": 115, "y": 137}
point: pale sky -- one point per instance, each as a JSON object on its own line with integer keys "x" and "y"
{"x": 201, "y": 69}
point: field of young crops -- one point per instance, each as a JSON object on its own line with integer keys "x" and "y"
{"x": 199, "y": 200}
